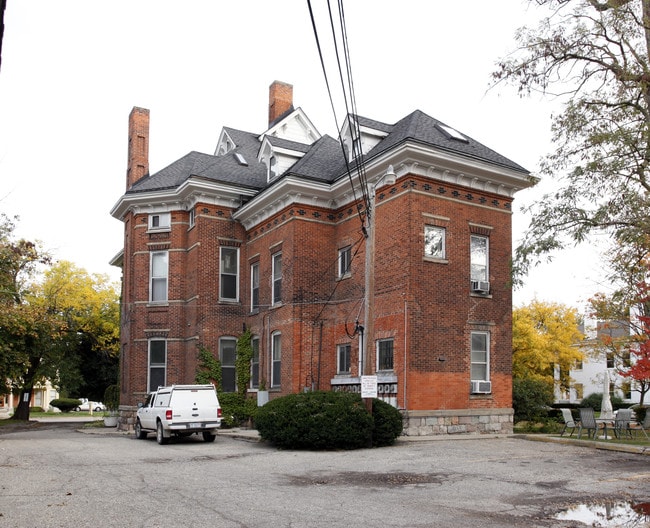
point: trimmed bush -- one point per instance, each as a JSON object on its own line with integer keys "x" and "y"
{"x": 388, "y": 423}
{"x": 65, "y": 404}
{"x": 315, "y": 420}
{"x": 595, "y": 401}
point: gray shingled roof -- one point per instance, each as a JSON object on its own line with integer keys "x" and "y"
{"x": 422, "y": 128}
{"x": 323, "y": 160}
{"x": 226, "y": 168}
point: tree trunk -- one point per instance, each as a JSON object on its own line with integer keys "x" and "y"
{"x": 22, "y": 411}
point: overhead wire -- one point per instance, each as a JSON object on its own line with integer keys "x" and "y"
{"x": 336, "y": 285}
{"x": 352, "y": 112}
{"x": 364, "y": 191}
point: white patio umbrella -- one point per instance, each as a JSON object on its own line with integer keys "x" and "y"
{"x": 606, "y": 410}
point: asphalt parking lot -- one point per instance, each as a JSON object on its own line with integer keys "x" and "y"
{"x": 59, "y": 477}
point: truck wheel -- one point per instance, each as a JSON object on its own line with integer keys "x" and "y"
{"x": 208, "y": 437}
{"x": 160, "y": 437}
{"x": 139, "y": 433}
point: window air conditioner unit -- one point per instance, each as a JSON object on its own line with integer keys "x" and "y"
{"x": 480, "y": 286}
{"x": 481, "y": 387}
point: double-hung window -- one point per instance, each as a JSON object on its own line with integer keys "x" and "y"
{"x": 345, "y": 261}
{"x": 480, "y": 354}
{"x": 255, "y": 286}
{"x": 277, "y": 278}
{"x": 434, "y": 242}
{"x": 343, "y": 359}
{"x": 276, "y": 359}
{"x": 157, "y": 363}
{"x": 158, "y": 274}
{"x": 479, "y": 253}
{"x": 227, "y": 355}
{"x": 229, "y": 274}
{"x": 385, "y": 354}
{"x": 255, "y": 363}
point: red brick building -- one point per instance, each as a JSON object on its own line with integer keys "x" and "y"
{"x": 271, "y": 233}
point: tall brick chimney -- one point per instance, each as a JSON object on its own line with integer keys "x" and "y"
{"x": 138, "y": 162}
{"x": 280, "y": 99}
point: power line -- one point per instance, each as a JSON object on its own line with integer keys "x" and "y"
{"x": 364, "y": 191}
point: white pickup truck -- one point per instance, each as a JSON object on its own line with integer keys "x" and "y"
{"x": 179, "y": 410}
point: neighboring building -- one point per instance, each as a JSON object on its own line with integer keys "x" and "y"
{"x": 588, "y": 376}
{"x": 268, "y": 234}
{"x": 42, "y": 395}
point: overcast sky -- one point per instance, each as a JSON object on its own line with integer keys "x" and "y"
{"x": 71, "y": 72}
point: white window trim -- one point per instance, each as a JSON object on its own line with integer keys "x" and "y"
{"x": 377, "y": 369}
{"x": 221, "y": 272}
{"x": 275, "y": 335}
{"x": 253, "y": 385}
{"x": 487, "y": 258}
{"x": 487, "y": 354}
{"x": 164, "y": 224}
{"x": 255, "y": 266}
{"x": 273, "y": 264}
{"x": 338, "y": 358}
{"x": 231, "y": 341}
{"x": 158, "y": 277}
{"x": 342, "y": 252}
{"x": 149, "y": 365}
{"x": 443, "y": 230}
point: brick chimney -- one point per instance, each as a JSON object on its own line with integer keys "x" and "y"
{"x": 138, "y": 162}
{"x": 280, "y": 100}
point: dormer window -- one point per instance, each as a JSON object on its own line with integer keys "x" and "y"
{"x": 273, "y": 168}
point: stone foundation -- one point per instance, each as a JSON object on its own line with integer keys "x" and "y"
{"x": 458, "y": 421}
{"x": 126, "y": 419}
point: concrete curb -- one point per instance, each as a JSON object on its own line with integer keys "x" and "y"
{"x": 639, "y": 450}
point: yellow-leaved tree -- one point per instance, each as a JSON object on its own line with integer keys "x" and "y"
{"x": 543, "y": 339}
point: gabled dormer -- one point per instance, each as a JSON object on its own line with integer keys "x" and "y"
{"x": 289, "y": 134}
{"x": 225, "y": 144}
{"x": 360, "y": 135}
{"x": 279, "y": 155}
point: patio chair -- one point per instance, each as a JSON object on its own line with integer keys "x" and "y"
{"x": 622, "y": 423}
{"x": 643, "y": 426}
{"x": 569, "y": 422}
{"x": 588, "y": 422}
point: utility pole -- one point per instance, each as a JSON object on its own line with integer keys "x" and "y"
{"x": 369, "y": 316}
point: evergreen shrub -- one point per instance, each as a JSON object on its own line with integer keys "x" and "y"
{"x": 388, "y": 423}
{"x": 315, "y": 420}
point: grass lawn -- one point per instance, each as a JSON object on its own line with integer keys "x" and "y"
{"x": 553, "y": 428}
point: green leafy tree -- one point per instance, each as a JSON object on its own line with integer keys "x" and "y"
{"x": 45, "y": 324}
{"x": 594, "y": 56}
{"x": 89, "y": 305}
{"x": 544, "y": 335}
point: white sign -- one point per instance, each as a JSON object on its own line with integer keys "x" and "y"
{"x": 368, "y": 386}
